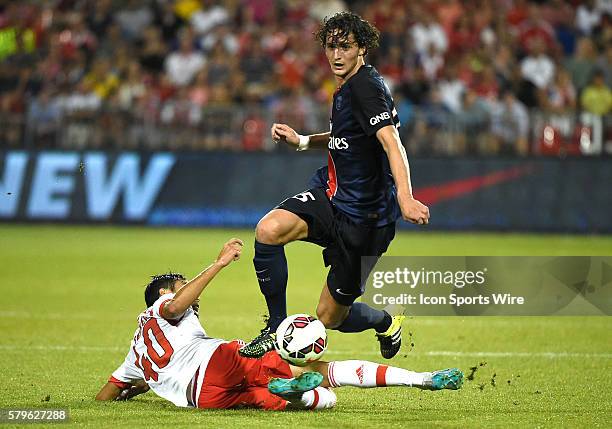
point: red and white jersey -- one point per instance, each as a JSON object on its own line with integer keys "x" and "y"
{"x": 167, "y": 353}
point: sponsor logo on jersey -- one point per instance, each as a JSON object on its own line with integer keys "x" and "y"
{"x": 337, "y": 143}
{"x": 380, "y": 117}
{"x": 339, "y": 100}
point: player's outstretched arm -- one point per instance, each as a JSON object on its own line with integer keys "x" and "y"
{"x": 412, "y": 210}
{"x": 112, "y": 392}
{"x": 189, "y": 293}
{"x": 109, "y": 392}
{"x": 284, "y": 133}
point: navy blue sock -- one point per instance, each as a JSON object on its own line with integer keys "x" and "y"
{"x": 362, "y": 317}
{"x": 271, "y": 270}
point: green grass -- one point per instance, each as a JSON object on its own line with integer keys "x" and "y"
{"x": 70, "y": 296}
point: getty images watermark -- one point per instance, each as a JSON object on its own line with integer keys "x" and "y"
{"x": 491, "y": 285}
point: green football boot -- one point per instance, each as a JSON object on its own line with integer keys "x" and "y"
{"x": 451, "y": 378}
{"x": 287, "y": 388}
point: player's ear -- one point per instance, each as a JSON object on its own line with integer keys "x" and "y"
{"x": 362, "y": 51}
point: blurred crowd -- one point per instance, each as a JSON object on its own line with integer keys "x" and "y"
{"x": 482, "y": 76}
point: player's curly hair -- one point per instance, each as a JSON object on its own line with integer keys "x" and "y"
{"x": 342, "y": 24}
{"x": 159, "y": 281}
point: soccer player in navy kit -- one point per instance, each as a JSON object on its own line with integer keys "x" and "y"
{"x": 352, "y": 204}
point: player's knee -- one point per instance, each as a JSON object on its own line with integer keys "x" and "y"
{"x": 269, "y": 231}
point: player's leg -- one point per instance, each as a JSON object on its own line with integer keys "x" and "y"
{"x": 305, "y": 217}
{"x": 346, "y": 282}
{"x": 292, "y": 392}
{"x": 359, "y": 373}
{"x": 319, "y": 398}
{"x": 337, "y": 308}
{"x": 273, "y": 231}
{"x": 356, "y": 317}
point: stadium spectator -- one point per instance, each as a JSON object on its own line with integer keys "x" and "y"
{"x": 485, "y": 84}
{"x": 99, "y": 16}
{"x": 210, "y": 16}
{"x": 587, "y": 17}
{"x": 154, "y": 51}
{"x": 133, "y": 88}
{"x": 102, "y": 79}
{"x": 449, "y": 12}
{"x": 76, "y": 36}
{"x": 112, "y": 38}
{"x": 602, "y": 34}
{"x": 509, "y": 124}
{"x": 538, "y": 68}
{"x": 604, "y": 63}
{"x": 462, "y": 35}
{"x": 560, "y": 97}
{"x": 44, "y": 116}
{"x": 582, "y": 65}
{"x": 597, "y": 97}
{"x": 319, "y": 9}
{"x": 452, "y": 89}
{"x": 427, "y": 33}
{"x": 533, "y": 28}
{"x": 166, "y": 20}
{"x": 473, "y": 123}
{"x": 182, "y": 65}
{"x": 222, "y": 34}
{"x": 134, "y": 18}
{"x": 257, "y": 68}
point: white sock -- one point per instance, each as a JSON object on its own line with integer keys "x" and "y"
{"x": 360, "y": 373}
{"x": 316, "y": 399}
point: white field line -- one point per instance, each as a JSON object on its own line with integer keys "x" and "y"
{"x": 417, "y": 321}
{"x": 448, "y": 353}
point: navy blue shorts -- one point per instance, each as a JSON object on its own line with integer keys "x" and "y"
{"x": 344, "y": 242}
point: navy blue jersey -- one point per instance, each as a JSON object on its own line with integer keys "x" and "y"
{"x": 358, "y": 178}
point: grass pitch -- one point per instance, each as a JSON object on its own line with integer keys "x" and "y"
{"x": 71, "y": 295}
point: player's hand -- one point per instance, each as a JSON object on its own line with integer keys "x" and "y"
{"x": 230, "y": 252}
{"x": 284, "y": 133}
{"x": 414, "y": 211}
{"x": 130, "y": 392}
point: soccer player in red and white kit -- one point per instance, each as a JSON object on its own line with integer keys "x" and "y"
{"x": 172, "y": 355}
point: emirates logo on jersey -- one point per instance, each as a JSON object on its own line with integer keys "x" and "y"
{"x": 359, "y": 373}
{"x": 337, "y": 143}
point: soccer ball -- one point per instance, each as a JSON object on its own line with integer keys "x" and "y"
{"x": 301, "y": 339}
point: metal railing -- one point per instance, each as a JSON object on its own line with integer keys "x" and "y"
{"x": 425, "y": 130}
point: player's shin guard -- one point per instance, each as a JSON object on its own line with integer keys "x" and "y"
{"x": 359, "y": 373}
{"x": 362, "y": 317}
{"x": 271, "y": 270}
{"x": 316, "y": 399}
